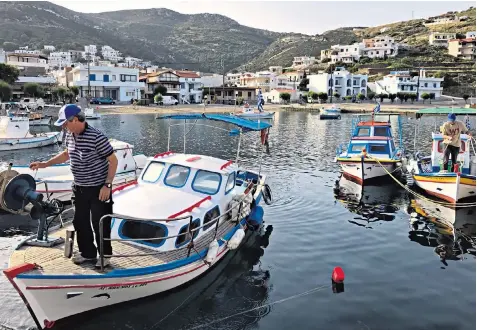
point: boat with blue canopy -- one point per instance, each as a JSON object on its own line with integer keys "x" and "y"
{"x": 371, "y": 152}
{"x": 181, "y": 217}
{"x": 453, "y": 185}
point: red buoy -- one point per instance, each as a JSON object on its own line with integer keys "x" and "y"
{"x": 338, "y": 275}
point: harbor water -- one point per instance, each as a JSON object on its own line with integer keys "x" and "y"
{"x": 395, "y": 278}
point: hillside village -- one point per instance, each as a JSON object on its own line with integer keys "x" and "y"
{"x": 356, "y": 71}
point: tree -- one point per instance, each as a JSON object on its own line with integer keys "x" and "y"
{"x": 361, "y": 97}
{"x": 5, "y": 91}
{"x": 303, "y": 84}
{"x": 465, "y": 97}
{"x": 69, "y": 95}
{"x": 8, "y": 73}
{"x": 74, "y": 90}
{"x": 285, "y": 97}
{"x": 382, "y": 97}
{"x": 413, "y": 97}
{"x": 314, "y": 96}
{"x": 326, "y": 60}
{"x": 158, "y": 98}
{"x": 432, "y": 96}
{"x": 348, "y": 97}
{"x": 33, "y": 90}
{"x": 401, "y": 96}
{"x": 60, "y": 92}
{"x": 160, "y": 90}
{"x": 392, "y": 97}
{"x": 371, "y": 95}
{"x": 425, "y": 96}
{"x": 323, "y": 96}
{"x": 337, "y": 95}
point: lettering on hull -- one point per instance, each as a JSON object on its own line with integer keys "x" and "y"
{"x": 130, "y": 286}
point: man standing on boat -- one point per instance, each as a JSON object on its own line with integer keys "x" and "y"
{"x": 93, "y": 164}
{"x": 260, "y": 100}
{"x": 451, "y": 133}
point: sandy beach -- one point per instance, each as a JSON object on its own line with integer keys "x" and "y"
{"x": 199, "y": 108}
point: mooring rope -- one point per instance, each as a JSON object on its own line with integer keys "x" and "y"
{"x": 412, "y": 192}
{"x": 316, "y": 289}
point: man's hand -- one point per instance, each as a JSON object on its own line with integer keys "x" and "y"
{"x": 104, "y": 193}
{"x": 37, "y": 165}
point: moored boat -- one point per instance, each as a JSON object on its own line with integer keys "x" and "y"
{"x": 452, "y": 186}
{"x": 371, "y": 152}
{"x": 56, "y": 181}
{"x": 15, "y": 134}
{"x": 181, "y": 217}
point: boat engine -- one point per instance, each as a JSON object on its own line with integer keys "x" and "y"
{"x": 18, "y": 196}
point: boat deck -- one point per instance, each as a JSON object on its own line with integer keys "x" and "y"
{"x": 52, "y": 260}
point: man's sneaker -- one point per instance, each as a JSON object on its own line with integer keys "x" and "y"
{"x": 79, "y": 259}
{"x": 106, "y": 262}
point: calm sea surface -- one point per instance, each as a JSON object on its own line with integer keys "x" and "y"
{"x": 394, "y": 277}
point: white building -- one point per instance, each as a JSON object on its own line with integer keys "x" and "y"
{"x": 22, "y": 50}
{"x": 470, "y": 34}
{"x": 340, "y": 81}
{"x": 49, "y": 47}
{"x": 60, "y": 59}
{"x": 402, "y": 82}
{"x": 132, "y": 61}
{"x": 441, "y": 39}
{"x": 111, "y": 54}
{"x": 379, "y": 46}
{"x": 276, "y": 69}
{"x": 273, "y": 96}
{"x": 90, "y": 49}
{"x": 300, "y": 62}
{"x": 190, "y": 86}
{"x": 120, "y": 84}
{"x": 211, "y": 79}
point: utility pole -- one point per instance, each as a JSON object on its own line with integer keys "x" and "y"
{"x": 223, "y": 79}
{"x": 89, "y": 81}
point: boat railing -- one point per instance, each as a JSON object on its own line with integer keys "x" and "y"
{"x": 190, "y": 232}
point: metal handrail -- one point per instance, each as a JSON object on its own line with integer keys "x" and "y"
{"x": 250, "y": 189}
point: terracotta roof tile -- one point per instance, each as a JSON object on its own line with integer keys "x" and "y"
{"x": 186, "y": 74}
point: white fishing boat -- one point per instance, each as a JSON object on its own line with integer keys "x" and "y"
{"x": 454, "y": 185}
{"x": 333, "y": 109}
{"x": 371, "y": 152}
{"x": 15, "y": 134}
{"x": 35, "y": 118}
{"x": 249, "y": 112}
{"x": 56, "y": 181}
{"x": 180, "y": 218}
{"x": 90, "y": 114}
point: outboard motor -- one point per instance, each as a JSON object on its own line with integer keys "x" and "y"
{"x": 18, "y": 196}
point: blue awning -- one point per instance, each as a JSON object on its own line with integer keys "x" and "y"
{"x": 245, "y": 124}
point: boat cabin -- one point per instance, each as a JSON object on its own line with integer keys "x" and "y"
{"x": 14, "y": 127}
{"x": 437, "y": 154}
{"x": 177, "y": 187}
{"x": 374, "y": 138}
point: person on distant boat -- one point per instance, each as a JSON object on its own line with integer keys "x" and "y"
{"x": 260, "y": 100}
{"x": 93, "y": 164}
{"x": 451, "y": 133}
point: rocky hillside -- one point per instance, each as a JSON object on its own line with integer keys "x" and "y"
{"x": 165, "y": 36}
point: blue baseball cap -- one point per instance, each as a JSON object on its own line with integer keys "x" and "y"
{"x": 66, "y": 112}
{"x": 451, "y": 116}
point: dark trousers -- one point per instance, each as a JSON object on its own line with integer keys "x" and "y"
{"x": 453, "y": 152}
{"x": 88, "y": 210}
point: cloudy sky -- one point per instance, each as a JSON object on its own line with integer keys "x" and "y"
{"x": 310, "y": 17}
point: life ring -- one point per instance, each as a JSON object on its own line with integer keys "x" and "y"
{"x": 267, "y": 195}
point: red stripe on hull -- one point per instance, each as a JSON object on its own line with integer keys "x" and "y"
{"x": 441, "y": 196}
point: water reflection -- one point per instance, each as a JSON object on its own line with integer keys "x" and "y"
{"x": 373, "y": 203}
{"x": 450, "y": 231}
{"x": 236, "y": 284}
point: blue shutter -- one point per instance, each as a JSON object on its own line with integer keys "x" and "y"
{"x": 92, "y": 77}
{"x": 106, "y": 78}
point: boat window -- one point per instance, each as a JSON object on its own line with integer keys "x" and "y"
{"x": 357, "y": 147}
{"x": 378, "y": 148}
{"x": 230, "y": 183}
{"x": 207, "y": 182}
{"x": 380, "y": 131}
{"x": 141, "y": 229}
{"x": 184, "y": 236}
{"x": 211, "y": 215}
{"x": 363, "y": 131}
{"x": 177, "y": 176}
{"x": 153, "y": 172}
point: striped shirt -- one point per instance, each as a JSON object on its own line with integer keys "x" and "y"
{"x": 88, "y": 152}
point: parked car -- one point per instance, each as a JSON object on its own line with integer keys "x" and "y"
{"x": 168, "y": 100}
{"x": 102, "y": 100}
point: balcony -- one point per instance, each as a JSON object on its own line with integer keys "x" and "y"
{"x": 112, "y": 84}
{"x": 39, "y": 80}
{"x": 28, "y": 64}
